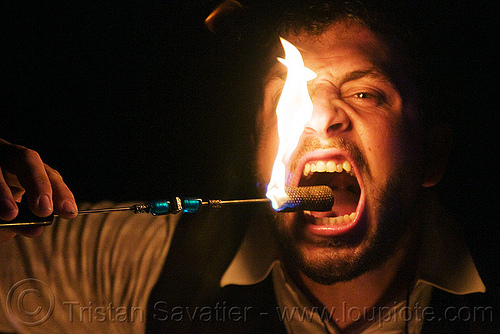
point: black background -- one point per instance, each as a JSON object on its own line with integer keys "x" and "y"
{"x": 137, "y": 101}
{"x": 129, "y": 101}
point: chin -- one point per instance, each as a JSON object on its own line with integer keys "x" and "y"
{"x": 329, "y": 259}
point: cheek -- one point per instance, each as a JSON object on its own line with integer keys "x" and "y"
{"x": 392, "y": 149}
{"x": 383, "y": 146}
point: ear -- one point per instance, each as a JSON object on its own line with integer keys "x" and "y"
{"x": 438, "y": 148}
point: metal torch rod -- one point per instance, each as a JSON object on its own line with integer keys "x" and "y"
{"x": 313, "y": 198}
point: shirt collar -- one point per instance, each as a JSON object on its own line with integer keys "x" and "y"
{"x": 255, "y": 257}
{"x": 445, "y": 261}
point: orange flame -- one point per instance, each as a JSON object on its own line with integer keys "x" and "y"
{"x": 294, "y": 110}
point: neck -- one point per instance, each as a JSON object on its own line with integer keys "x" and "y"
{"x": 360, "y": 298}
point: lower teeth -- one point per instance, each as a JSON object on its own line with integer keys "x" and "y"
{"x": 341, "y": 220}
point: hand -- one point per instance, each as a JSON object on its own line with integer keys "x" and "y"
{"x": 23, "y": 172}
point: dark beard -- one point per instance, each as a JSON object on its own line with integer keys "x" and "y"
{"x": 393, "y": 218}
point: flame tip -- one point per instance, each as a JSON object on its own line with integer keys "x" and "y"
{"x": 293, "y": 111}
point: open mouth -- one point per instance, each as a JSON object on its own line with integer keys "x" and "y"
{"x": 340, "y": 174}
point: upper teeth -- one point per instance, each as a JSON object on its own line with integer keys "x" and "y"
{"x": 328, "y": 167}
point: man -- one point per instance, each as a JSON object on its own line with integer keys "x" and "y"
{"x": 350, "y": 273}
{"x": 371, "y": 264}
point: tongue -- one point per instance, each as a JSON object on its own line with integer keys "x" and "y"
{"x": 345, "y": 202}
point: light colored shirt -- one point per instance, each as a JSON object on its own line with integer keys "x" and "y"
{"x": 92, "y": 274}
{"x": 445, "y": 263}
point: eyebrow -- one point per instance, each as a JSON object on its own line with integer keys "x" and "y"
{"x": 373, "y": 72}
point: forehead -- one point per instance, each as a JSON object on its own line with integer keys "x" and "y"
{"x": 343, "y": 44}
{"x": 342, "y": 50}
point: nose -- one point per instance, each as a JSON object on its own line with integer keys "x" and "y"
{"x": 329, "y": 117}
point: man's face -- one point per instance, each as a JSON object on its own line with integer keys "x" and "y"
{"x": 363, "y": 141}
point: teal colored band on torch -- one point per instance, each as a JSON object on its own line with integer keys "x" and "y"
{"x": 159, "y": 208}
{"x": 191, "y": 205}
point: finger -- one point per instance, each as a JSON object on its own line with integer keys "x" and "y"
{"x": 6, "y": 233}
{"x": 8, "y": 207}
{"x": 29, "y": 231}
{"x": 15, "y": 187}
{"x": 32, "y": 176}
{"x": 64, "y": 201}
